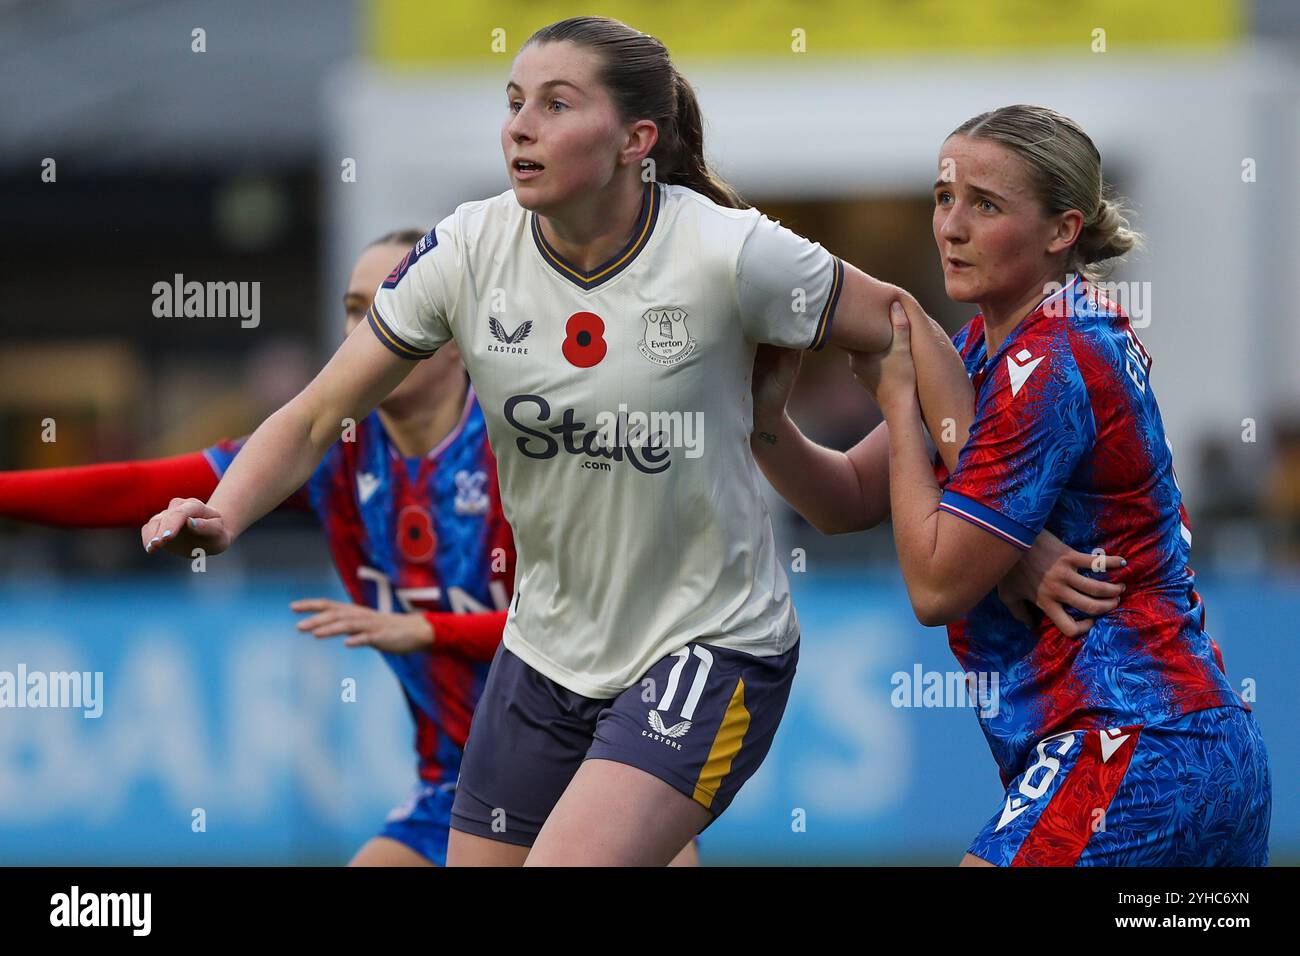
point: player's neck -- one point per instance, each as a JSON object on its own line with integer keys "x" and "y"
{"x": 1002, "y": 317}
{"x": 417, "y": 428}
{"x": 590, "y": 231}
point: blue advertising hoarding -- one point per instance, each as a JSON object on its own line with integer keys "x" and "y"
{"x": 223, "y": 735}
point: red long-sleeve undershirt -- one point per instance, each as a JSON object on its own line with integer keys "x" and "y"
{"x": 112, "y": 495}
{"x": 128, "y": 493}
{"x": 475, "y": 636}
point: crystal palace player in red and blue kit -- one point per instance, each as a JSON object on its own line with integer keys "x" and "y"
{"x": 1068, "y": 436}
{"x": 410, "y": 506}
{"x": 418, "y": 535}
{"x": 1119, "y": 738}
{"x": 1129, "y": 746}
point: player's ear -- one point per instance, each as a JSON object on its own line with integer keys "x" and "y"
{"x": 642, "y": 135}
{"x": 1067, "y": 227}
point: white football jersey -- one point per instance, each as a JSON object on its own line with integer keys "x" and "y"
{"x": 618, "y": 405}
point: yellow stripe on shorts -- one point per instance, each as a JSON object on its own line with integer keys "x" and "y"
{"x": 735, "y": 723}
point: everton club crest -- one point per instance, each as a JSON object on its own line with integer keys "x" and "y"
{"x": 667, "y": 340}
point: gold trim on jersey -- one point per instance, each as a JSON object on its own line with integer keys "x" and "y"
{"x": 641, "y": 232}
{"x": 832, "y": 299}
{"x": 392, "y": 340}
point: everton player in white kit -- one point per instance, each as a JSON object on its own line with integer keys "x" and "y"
{"x": 607, "y": 309}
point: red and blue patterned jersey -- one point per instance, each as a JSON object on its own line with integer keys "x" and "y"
{"x": 416, "y": 534}
{"x": 1067, "y": 436}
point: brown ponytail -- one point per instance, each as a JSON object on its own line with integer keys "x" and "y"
{"x": 686, "y": 160}
{"x": 644, "y": 84}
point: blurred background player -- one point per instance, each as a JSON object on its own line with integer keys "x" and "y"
{"x": 409, "y": 504}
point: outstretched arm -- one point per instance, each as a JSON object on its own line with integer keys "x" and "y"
{"x": 284, "y": 450}
{"x": 111, "y": 495}
{"x": 117, "y": 494}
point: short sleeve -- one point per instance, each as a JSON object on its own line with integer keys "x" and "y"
{"x": 788, "y": 287}
{"x": 220, "y": 455}
{"x": 961, "y": 338}
{"x": 1033, "y": 425}
{"x": 411, "y": 313}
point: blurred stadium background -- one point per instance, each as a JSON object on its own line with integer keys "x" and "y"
{"x": 231, "y": 165}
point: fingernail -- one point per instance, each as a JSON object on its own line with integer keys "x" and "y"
{"x": 193, "y": 523}
{"x": 1123, "y": 562}
{"x": 166, "y": 534}
{"x": 895, "y": 308}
